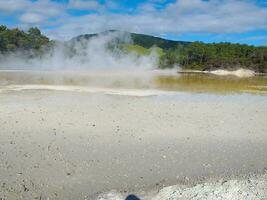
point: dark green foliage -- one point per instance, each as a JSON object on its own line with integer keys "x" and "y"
{"x": 200, "y": 56}
{"x": 195, "y": 55}
{"x": 146, "y": 41}
{"x": 14, "y": 39}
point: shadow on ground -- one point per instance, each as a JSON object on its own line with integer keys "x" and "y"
{"x": 132, "y": 197}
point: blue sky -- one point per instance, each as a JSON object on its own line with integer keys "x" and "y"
{"x": 238, "y": 21}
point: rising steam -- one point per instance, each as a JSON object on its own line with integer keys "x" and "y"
{"x": 99, "y": 52}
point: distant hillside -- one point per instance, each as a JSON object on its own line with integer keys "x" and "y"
{"x": 146, "y": 41}
{"x": 186, "y": 55}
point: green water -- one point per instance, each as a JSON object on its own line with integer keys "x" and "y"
{"x": 204, "y": 83}
{"x": 213, "y": 83}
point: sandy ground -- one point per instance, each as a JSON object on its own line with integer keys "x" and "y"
{"x": 75, "y": 145}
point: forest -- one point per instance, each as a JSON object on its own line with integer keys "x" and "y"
{"x": 187, "y": 55}
{"x": 201, "y": 56}
{"x": 12, "y": 40}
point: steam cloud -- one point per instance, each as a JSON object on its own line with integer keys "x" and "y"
{"x": 86, "y": 54}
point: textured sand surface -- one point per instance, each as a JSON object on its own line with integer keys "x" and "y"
{"x": 252, "y": 187}
{"x": 73, "y": 145}
{"x": 249, "y": 187}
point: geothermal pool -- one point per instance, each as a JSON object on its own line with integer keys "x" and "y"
{"x": 105, "y": 135}
{"x": 142, "y": 82}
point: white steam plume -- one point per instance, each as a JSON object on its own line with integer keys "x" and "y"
{"x": 85, "y": 54}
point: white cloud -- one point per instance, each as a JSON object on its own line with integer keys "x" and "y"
{"x": 84, "y": 5}
{"x": 179, "y": 17}
{"x": 47, "y": 8}
{"x": 31, "y": 18}
{"x": 182, "y": 16}
{"x": 32, "y": 12}
{"x": 13, "y": 5}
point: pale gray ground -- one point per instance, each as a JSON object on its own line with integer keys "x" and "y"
{"x": 73, "y": 145}
{"x": 249, "y": 187}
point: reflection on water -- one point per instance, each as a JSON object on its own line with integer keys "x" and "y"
{"x": 213, "y": 83}
{"x": 207, "y": 83}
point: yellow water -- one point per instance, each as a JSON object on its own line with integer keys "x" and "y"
{"x": 213, "y": 84}
{"x": 206, "y": 83}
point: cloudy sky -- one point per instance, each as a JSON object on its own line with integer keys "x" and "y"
{"x": 242, "y": 21}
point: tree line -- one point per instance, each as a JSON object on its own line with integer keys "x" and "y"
{"x": 201, "y": 56}
{"x": 15, "y": 39}
{"x": 187, "y": 55}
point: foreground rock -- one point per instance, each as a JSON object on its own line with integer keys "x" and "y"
{"x": 245, "y": 189}
{"x": 241, "y": 73}
{"x": 253, "y": 187}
